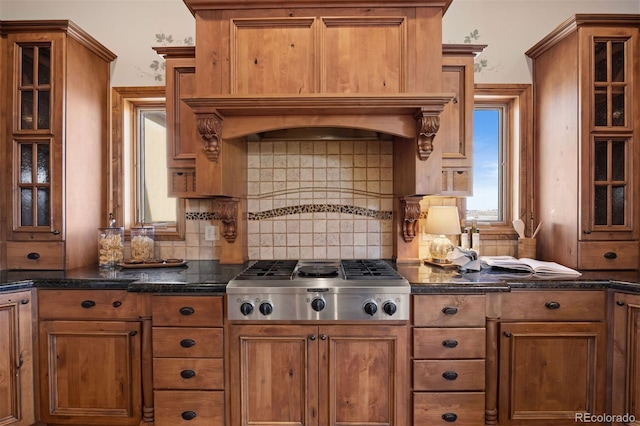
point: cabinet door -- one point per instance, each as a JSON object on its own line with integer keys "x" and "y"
{"x": 363, "y": 375}
{"x": 35, "y": 151}
{"x": 273, "y": 375}
{"x": 625, "y": 398}
{"x": 90, "y": 372}
{"x": 549, "y": 371}
{"x": 16, "y": 360}
{"x": 456, "y": 125}
{"x": 610, "y": 147}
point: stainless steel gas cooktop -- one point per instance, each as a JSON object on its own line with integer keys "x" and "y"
{"x": 337, "y": 290}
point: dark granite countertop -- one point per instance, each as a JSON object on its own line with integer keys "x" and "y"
{"x": 202, "y": 276}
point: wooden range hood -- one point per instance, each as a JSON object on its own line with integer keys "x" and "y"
{"x": 268, "y": 65}
{"x": 409, "y": 116}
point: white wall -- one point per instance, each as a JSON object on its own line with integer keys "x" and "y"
{"x": 129, "y": 28}
{"x": 511, "y": 27}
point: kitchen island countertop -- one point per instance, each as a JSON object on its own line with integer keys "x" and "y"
{"x": 202, "y": 276}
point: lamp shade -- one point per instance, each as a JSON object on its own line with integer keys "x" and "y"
{"x": 443, "y": 220}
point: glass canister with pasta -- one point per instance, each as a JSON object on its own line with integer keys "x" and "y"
{"x": 110, "y": 246}
{"x": 142, "y": 243}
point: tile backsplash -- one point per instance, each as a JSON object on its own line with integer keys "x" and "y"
{"x": 320, "y": 199}
{"x": 314, "y": 200}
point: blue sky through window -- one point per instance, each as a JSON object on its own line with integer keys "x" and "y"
{"x": 485, "y": 202}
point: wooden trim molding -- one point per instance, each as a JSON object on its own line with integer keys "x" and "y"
{"x": 228, "y": 212}
{"x": 410, "y": 207}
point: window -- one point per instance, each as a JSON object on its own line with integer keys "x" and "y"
{"x": 487, "y": 202}
{"x": 139, "y": 166}
{"x": 502, "y": 168}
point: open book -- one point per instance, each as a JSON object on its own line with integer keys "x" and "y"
{"x": 538, "y": 267}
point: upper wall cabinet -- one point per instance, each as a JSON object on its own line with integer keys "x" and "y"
{"x": 587, "y": 152}
{"x": 182, "y": 134}
{"x": 456, "y": 121}
{"x": 55, "y": 125}
{"x": 264, "y": 47}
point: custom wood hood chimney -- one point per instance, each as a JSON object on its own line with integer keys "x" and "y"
{"x": 264, "y": 65}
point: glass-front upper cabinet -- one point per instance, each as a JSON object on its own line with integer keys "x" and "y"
{"x": 32, "y": 141}
{"x": 612, "y": 58}
{"x": 34, "y": 86}
{"x": 612, "y": 148}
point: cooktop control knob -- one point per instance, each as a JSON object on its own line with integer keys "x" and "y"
{"x": 318, "y": 304}
{"x": 389, "y": 307}
{"x": 370, "y": 308}
{"x": 246, "y": 308}
{"x": 266, "y": 308}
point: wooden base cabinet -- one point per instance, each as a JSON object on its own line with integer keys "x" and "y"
{"x": 625, "y": 353}
{"x": 552, "y": 357}
{"x": 449, "y": 347}
{"x": 90, "y": 358}
{"x": 188, "y": 358}
{"x": 318, "y": 375}
{"x": 16, "y": 359}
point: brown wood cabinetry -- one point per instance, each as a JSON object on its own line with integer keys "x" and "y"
{"x": 89, "y": 357}
{"x": 456, "y": 121}
{"x": 56, "y": 132}
{"x": 587, "y": 127}
{"x": 552, "y": 357}
{"x": 182, "y": 133}
{"x": 449, "y": 349}
{"x": 16, "y": 359}
{"x": 625, "y": 355}
{"x": 318, "y": 375}
{"x": 188, "y": 358}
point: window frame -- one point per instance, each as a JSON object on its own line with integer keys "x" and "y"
{"x": 518, "y": 178}
{"x": 121, "y": 196}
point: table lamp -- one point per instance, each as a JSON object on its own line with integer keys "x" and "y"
{"x": 442, "y": 221}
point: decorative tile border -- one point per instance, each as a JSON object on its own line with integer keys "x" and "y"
{"x": 321, "y": 208}
{"x": 304, "y": 208}
{"x": 202, "y": 216}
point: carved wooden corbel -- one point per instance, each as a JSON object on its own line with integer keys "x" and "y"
{"x": 410, "y": 207}
{"x": 210, "y": 129}
{"x": 428, "y": 125}
{"x": 228, "y": 212}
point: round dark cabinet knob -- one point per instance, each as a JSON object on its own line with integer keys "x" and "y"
{"x": 370, "y": 308}
{"x": 188, "y": 374}
{"x": 318, "y": 304}
{"x": 266, "y": 308}
{"x": 449, "y": 417}
{"x": 246, "y": 308}
{"x": 189, "y": 415}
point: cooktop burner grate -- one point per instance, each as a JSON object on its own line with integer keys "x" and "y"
{"x": 269, "y": 270}
{"x": 368, "y": 270}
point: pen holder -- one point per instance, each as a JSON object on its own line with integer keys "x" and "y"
{"x": 527, "y": 247}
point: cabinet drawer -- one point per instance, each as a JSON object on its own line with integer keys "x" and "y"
{"x": 187, "y": 311}
{"x": 199, "y": 408}
{"x": 449, "y": 343}
{"x": 187, "y": 342}
{"x": 188, "y": 373}
{"x": 449, "y": 311}
{"x": 449, "y": 375}
{"x": 35, "y": 255}
{"x": 554, "y": 305}
{"x": 598, "y": 255}
{"x": 87, "y": 304}
{"x": 458, "y": 408}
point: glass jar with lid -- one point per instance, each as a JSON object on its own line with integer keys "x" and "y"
{"x": 110, "y": 246}
{"x": 142, "y": 243}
